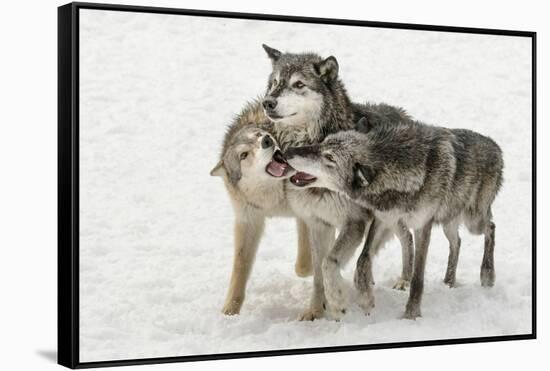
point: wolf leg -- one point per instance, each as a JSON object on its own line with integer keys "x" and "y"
{"x": 451, "y": 232}
{"x": 336, "y": 293}
{"x": 487, "y": 274}
{"x": 407, "y": 255}
{"x": 421, "y": 242}
{"x": 321, "y": 237}
{"x": 303, "y": 267}
{"x": 363, "y": 279}
{"x": 247, "y": 237}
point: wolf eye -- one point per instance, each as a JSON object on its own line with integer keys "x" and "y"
{"x": 329, "y": 157}
{"x": 244, "y": 155}
{"x": 274, "y": 83}
{"x": 298, "y": 85}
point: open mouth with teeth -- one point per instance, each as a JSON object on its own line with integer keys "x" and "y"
{"x": 278, "y": 167}
{"x": 301, "y": 179}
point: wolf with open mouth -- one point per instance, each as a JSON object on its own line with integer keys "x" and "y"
{"x": 246, "y": 157}
{"x": 279, "y": 167}
{"x": 412, "y": 174}
{"x": 311, "y": 200}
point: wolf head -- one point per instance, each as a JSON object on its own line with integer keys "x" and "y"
{"x": 248, "y": 148}
{"x": 338, "y": 164}
{"x": 247, "y": 156}
{"x": 371, "y": 159}
{"x": 300, "y": 86}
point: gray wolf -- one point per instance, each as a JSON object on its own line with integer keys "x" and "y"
{"x": 412, "y": 174}
{"x": 248, "y": 147}
{"x": 306, "y": 101}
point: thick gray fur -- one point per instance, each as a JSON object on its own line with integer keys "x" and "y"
{"x": 415, "y": 175}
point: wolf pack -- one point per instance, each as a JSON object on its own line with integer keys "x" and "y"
{"x": 350, "y": 172}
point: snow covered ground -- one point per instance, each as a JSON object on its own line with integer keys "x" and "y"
{"x": 156, "y": 230}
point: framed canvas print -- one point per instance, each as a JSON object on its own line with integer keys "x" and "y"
{"x": 238, "y": 185}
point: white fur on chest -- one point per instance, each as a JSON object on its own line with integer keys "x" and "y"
{"x": 330, "y": 208}
{"x": 269, "y": 196}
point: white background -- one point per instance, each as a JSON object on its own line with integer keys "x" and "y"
{"x": 28, "y": 197}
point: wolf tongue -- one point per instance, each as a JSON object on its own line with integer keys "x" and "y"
{"x": 304, "y": 176}
{"x": 276, "y": 168}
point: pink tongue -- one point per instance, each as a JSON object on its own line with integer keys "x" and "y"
{"x": 276, "y": 168}
{"x": 304, "y": 176}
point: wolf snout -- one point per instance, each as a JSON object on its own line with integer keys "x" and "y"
{"x": 269, "y": 103}
{"x": 304, "y": 151}
{"x": 267, "y": 142}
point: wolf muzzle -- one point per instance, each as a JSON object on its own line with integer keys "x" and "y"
{"x": 305, "y": 151}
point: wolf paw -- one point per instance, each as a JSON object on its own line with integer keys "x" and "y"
{"x": 310, "y": 315}
{"x": 487, "y": 277}
{"x": 401, "y": 284}
{"x": 232, "y": 308}
{"x": 336, "y": 294}
{"x": 449, "y": 281}
{"x": 366, "y": 303}
{"x": 412, "y": 312}
{"x": 337, "y": 300}
{"x": 336, "y": 312}
{"x": 303, "y": 270}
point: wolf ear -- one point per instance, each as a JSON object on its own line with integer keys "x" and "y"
{"x": 327, "y": 69}
{"x": 273, "y": 54}
{"x": 362, "y": 176}
{"x": 363, "y": 125}
{"x": 218, "y": 170}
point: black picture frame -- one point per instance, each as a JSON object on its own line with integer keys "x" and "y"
{"x": 68, "y": 182}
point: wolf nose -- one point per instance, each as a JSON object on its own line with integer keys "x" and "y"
{"x": 269, "y": 103}
{"x": 267, "y": 141}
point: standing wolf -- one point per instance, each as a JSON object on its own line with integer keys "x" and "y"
{"x": 306, "y": 101}
{"x": 413, "y": 174}
{"x": 248, "y": 148}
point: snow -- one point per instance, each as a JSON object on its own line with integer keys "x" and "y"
{"x": 157, "y": 92}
